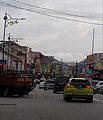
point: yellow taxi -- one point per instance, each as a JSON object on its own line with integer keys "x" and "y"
{"x": 79, "y": 88}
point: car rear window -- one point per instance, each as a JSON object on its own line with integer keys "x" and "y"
{"x": 50, "y": 81}
{"x": 63, "y": 80}
{"x": 80, "y": 82}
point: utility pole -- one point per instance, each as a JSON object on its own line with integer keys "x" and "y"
{"x": 76, "y": 69}
{"x": 93, "y": 41}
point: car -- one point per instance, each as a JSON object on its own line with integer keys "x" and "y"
{"x": 98, "y": 85}
{"x": 42, "y": 84}
{"x": 49, "y": 84}
{"x": 42, "y": 79}
{"x": 60, "y": 83}
{"x": 94, "y": 82}
{"x": 36, "y": 81}
{"x": 79, "y": 88}
{"x": 101, "y": 89}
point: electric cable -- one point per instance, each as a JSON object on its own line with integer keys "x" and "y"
{"x": 47, "y": 13}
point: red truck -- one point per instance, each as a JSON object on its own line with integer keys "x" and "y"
{"x": 15, "y": 82}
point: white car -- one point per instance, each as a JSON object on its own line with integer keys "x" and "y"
{"x": 42, "y": 84}
{"x": 36, "y": 81}
{"x": 49, "y": 84}
{"x": 42, "y": 79}
{"x": 98, "y": 85}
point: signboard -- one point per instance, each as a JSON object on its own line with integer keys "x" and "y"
{"x": 99, "y": 65}
{"x": 2, "y": 61}
{"x": 44, "y": 68}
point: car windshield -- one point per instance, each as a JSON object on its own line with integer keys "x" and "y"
{"x": 80, "y": 82}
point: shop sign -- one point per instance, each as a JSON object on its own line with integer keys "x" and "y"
{"x": 99, "y": 65}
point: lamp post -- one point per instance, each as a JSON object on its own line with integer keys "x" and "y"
{"x": 5, "y": 19}
{"x": 8, "y": 20}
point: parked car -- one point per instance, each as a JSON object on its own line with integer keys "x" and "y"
{"x": 101, "y": 89}
{"x": 60, "y": 83}
{"x": 42, "y": 79}
{"x": 78, "y": 88}
{"x": 42, "y": 84}
{"x": 94, "y": 82}
{"x": 98, "y": 85}
{"x": 36, "y": 81}
{"x": 49, "y": 84}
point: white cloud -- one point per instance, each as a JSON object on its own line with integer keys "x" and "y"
{"x": 68, "y": 57}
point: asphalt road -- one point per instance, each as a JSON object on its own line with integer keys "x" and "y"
{"x": 45, "y": 105}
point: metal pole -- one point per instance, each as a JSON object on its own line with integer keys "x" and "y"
{"x": 93, "y": 42}
{"x": 5, "y": 18}
{"x": 76, "y": 69}
{"x": 8, "y": 65}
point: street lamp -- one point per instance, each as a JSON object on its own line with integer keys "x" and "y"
{"x": 8, "y": 20}
{"x": 5, "y": 19}
{"x": 11, "y": 38}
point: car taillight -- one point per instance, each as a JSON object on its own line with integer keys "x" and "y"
{"x": 70, "y": 86}
{"x": 89, "y": 86}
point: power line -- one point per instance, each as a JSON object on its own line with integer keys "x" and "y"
{"x": 45, "y": 12}
{"x": 60, "y": 12}
{"x": 81, "y": 14}
{"x": 70, "y": 13}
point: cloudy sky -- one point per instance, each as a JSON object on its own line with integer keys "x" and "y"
{"x": 63, "y": 30}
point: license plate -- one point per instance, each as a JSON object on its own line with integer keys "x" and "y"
{"x": 80, "y": 88}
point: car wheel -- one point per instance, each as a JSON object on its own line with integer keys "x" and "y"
{"x": 65, "y": 98}
{"x": 90, "y": 100}
{"x": 54, "y": 91}
{"x": 45, "y": 89}
{"x": 21, "y": 94}
{"x": 101, "y": 92}
{"x": 98, "y": 90}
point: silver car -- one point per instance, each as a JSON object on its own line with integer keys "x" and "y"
{"x": 49, "y": 84}
{"x": 98, "y": 85}
{"x": 42, "y": 84}
{"x": 101, "y": 89}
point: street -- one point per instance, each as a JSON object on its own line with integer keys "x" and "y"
{"x": 45, "y": 105}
